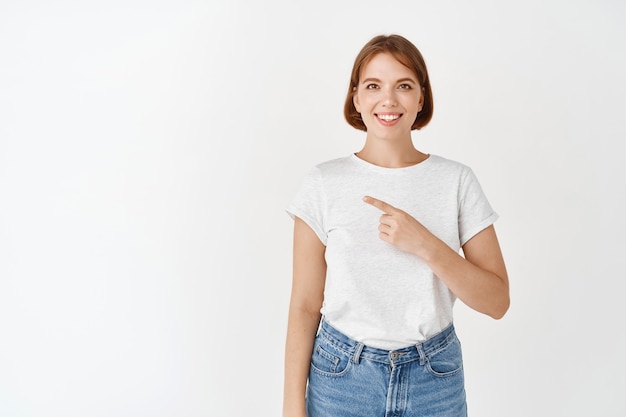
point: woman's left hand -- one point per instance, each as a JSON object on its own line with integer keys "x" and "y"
{"x": 479, "y": 279}
{"x": 400, "y": 229}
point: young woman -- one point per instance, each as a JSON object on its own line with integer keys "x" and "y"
{"x": 377, "y": 262}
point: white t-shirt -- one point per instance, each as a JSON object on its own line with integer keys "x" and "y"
{"x": 375, "y": 293}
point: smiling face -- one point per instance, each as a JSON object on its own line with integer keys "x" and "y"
{"x": 388, "y": 97}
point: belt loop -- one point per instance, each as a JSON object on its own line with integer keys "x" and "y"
{"x": 357, "y": 353}
{"x": 421, "y": 353}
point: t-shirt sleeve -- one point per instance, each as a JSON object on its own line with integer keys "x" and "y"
{"x": 309, "y": 203}
{"x": 475, "y": 212}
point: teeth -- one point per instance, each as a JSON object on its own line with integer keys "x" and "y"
{"x": 388, "y": 117}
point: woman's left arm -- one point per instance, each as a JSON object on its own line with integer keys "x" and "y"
{"x": 478, "y": 278}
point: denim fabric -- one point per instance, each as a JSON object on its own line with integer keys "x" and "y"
{"x": 348, "y": 379}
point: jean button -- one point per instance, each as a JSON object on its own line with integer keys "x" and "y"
{"x": 394, "y": 356}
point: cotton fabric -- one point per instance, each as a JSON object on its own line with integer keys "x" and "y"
{"x": 375, "y": 293}
{"x": 348, "y": 379}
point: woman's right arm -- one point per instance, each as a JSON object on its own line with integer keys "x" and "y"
{"x": 307, "y": 294}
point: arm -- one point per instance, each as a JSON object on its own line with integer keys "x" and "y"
{"x": 307, "y": 293}
{"x": 479, "y": 279}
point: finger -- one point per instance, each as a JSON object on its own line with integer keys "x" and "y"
{"x": 386, "y": 219}
{"x": 379, "y": 204}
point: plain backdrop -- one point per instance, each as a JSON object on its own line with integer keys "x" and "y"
{"x": 148, "y": 150}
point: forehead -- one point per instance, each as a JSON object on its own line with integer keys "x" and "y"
{"x": 385, "y": 65}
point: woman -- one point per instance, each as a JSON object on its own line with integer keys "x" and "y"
{"x": 377, "y": 264}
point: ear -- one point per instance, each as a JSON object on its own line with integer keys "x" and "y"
{"x": 355, "y": 100}
{"x": 422, "y": 99}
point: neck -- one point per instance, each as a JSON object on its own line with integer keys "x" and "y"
{"x": 391, "y": 155}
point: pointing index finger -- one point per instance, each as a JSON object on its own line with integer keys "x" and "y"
{"x": 379, "y": 204}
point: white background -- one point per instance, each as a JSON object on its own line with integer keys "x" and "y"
{"x": 148, "y": 150}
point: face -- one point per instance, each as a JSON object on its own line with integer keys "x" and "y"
{"x": 388, "y": 97}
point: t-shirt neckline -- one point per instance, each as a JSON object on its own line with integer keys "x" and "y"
{"x": 379, "y": 168}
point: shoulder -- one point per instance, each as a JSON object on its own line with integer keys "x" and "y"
{"x": 323, "y": 173}
{"x": 333, "y": 167}
{"x": 452, "y": 167}
{"x": 443, "y": 162}
{"x": 334, "y": 163}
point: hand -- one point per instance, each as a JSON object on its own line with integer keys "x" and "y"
{"x": 402, "y": 230}
{"x": 479, "y": 278}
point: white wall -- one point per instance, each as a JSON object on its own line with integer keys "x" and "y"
{"x": 148, "y": 149}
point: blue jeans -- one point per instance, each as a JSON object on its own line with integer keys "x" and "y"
{"x": 348, "y": 379}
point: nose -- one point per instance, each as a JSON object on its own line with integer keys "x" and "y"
{"x": 389, "y": 98}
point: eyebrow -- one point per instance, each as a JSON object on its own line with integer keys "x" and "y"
{"x": 401, "y": 80}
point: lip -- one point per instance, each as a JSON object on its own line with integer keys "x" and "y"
{"x": 389, "y": 122}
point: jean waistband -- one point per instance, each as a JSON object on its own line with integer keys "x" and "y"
{"x": 358, "y": 350}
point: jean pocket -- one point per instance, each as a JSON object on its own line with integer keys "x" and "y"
{"x": 446, "y": 361}
{"x": 329, "y": 360}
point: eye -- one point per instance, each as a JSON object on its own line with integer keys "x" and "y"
{"x": 371, "y": 86}
{"x": 404, "y": 87}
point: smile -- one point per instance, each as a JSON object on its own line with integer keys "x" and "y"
{"x": 388, "y": 119}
